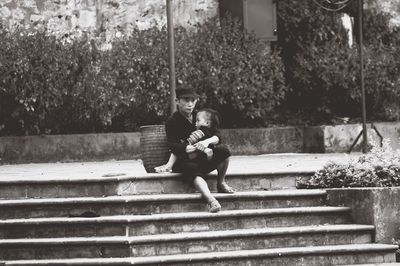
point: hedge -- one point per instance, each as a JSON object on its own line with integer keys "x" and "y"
{"x": 310, "y": 76}
{"x": 48, "y": 86}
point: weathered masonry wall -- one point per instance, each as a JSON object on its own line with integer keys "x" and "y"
{"x": 390, "y": 6}
{"x": 110, "y": 18}
{"x": 245, "y": 141}
{"x": 105, "y": 18}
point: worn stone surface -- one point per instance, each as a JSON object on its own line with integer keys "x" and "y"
{"x": 112, "y": 18}
{"x": 390, "y": 6}
{"x": 139, "y": 185}
{"x": 192, "y": 243}
{"x": 106, "y": 206}
{"x": 86, "y": 147}
{"x": 252, "y": 141}
{"x": 377, "y": 206}
{"x": 339, "y": 138}
{"x": 106, "y": 17}
{"x": 122, "y": 146}
{"x": 263, "y": 140}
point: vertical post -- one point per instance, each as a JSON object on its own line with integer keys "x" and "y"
{"x": 171, "y": 56}
{"x": 360, "y": 49}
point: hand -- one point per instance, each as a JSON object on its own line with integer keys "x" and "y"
{"x": 200, "y": 146}
{"x": 190, "y": 148}
{"x": 209, "y": 152}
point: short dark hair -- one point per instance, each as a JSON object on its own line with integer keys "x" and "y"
{"x": 215, "y": 120}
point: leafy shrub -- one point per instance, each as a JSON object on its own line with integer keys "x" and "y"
{"x": 50, "y": 86}
{"x": 41, "y": 82}
{"x": 379, "y": 168}
{"x": 136, "y": 72}
{"x": 323, "y": 72}
{"x": 238, "y": 75}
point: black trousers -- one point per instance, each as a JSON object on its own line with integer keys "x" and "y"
{"x": 201, "y": 166}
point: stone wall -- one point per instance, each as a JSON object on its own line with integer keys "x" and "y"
{"x": 240, "y": 141}
{"x": 126, "y": 146}
{"x": 104, "y": 18}
{"x": 339, "y": 138}
{"x": 390, "y": 6}
{"x": 110, "y": 18}
{"x": 376, "y": 206}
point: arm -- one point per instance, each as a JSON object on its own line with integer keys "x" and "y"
{"x": 195, "y": 136}
{"x": 202, "y": 145}
{"x": 175, "y": 129}
{"x": 213, "y": 140}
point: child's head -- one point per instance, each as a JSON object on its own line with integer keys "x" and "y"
{"x": 207, "y": 118}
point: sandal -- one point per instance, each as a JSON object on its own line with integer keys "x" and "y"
{"x": 224, "y": 188}
{"x": 163, "y": 169}
{"x": 214, "y": 206}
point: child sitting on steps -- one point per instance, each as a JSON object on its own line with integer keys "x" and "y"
{"x": 207, "y": 123}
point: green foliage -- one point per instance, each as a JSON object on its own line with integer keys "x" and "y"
{"x": 323, "y": 71}
{"x": 378, "y": 168}
{"x": 50, "y": 86}
{"x": 45, "y": 83}
{"x": 237, "y": 74}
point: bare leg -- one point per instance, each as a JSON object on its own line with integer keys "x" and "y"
{"x": 201, "y": 185}
{"x": 222, "y": 186}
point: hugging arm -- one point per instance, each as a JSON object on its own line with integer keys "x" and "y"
{"x": 202, "y": 145}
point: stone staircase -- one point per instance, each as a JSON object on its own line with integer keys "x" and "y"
{"x": 159, "y": 220}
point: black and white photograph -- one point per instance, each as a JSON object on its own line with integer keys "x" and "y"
{"x": 200, "y": 132}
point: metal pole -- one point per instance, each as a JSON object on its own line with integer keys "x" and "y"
{"x": 171, "y": 55}
{"x": 360, "y": 49}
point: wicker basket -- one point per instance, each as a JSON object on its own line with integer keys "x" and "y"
{"x": 153, "y": 146}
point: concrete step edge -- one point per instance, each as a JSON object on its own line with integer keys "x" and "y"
{"x": 217, "y": 256}
{"x": 376, "y": 264}
{"x": 123, "y": 177}
{"x": 295, "y": 230}
{"x": 164, "y": 197}
{"x": 177, "y": 216}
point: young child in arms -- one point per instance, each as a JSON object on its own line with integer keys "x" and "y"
{"x": 207, "y": 123}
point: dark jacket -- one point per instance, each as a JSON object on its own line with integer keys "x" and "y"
{"x": 178, "y": 130}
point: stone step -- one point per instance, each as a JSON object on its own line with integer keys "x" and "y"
{"x": 130, "y": 225}
{"x": 183, "y": 243}
{"x": 300, "y": 256}
{"x": 59, "y": 187}
{"x": 376, "y": 264}
{"x": 153, "y": 204}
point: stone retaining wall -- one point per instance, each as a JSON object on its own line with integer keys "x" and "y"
{"x": 376, "y": 206}
{"x": 250, "y": 141}
{"x": 124, "y": 146}
{"x": 339, "y": 138}
{"x": 107, "y": 18}
{"x": 80, "y": 147}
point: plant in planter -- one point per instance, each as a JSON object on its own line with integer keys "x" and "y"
{"x": 379, "y": 168}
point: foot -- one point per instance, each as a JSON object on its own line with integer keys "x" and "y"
{"x": 163, "y": 169}
{"x": 214, "y": 206}
{"x": 209, "y": 153}
{"x": 224, "y": 188}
